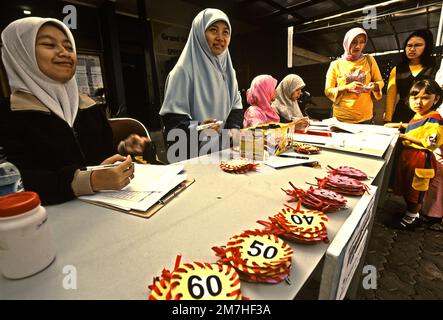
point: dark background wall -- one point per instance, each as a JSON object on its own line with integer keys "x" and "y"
{"x": 134, "y": 72}
{"x": 89, "y": 37}
{"x": 252, "y": 53}
{"x": 260, "y": 51}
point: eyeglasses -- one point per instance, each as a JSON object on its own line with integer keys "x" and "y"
{"x": 415, "y": 46}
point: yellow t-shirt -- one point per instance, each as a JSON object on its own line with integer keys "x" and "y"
{"x": 352, "y": 107}
{"x": 428, "y": 129}
{"x": 391, "y": 98}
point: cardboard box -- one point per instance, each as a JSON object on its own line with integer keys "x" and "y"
{"x": 265, "y": 140}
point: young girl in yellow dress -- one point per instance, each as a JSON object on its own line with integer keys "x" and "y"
{"x": 424, "y": 133}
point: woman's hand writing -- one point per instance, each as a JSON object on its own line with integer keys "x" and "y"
{"x": 216, "y": 127}
{"x": 114, "y": 178}
{"x": 301, "y": 123}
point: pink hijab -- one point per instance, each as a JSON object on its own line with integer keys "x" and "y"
{"x": 259, "y": 97}
{"x": 349, "y": 36}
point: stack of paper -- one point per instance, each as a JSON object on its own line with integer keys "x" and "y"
{"x": 333, "y": 124}
{"x": 365, "y": 139}
{"x": 150, "y": 184}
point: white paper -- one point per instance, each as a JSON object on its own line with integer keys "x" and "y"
{"x": 329, "y": 120}
{"x": 136, "y": 200}
{"x": 365, "y": 128}
{"x": 364, "y": 143}
{"x": 351, "y": 128}
{"x": 332, "y": 123}
{"x": 374, "y": 129}
{"x": 310, "y": 138}
{"x": 153, "y": 177}
{"x": 150, "y": 184}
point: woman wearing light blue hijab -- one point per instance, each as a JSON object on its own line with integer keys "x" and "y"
{"x": 202, "y": 87}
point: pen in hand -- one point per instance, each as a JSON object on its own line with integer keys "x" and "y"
{"x": 102, "y": 167}
{"x": 208, "y": 125}
{"x": 293, "y": 156}
{"x": 115, "y": 178}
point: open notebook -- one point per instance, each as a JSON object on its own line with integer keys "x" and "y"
{"x": 152, "y": 187}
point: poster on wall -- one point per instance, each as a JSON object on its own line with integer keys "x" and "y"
{"x": 89, "y": 74}
{"x": 169, "y": 41}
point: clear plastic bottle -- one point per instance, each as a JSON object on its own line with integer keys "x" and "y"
{"x": 10, "y": 178}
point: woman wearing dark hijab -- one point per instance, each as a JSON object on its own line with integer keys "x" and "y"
{"x": 417, "y": 64}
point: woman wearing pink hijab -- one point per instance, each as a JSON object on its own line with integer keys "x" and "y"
{"x": 259, "y": 96}
{"x": 352, "y": 78}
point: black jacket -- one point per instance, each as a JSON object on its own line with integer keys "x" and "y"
{"x": 46, "y": 150}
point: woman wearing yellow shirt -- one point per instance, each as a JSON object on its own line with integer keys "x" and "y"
{"x": 351, "y": 79}
{"x": 416, "y": 64}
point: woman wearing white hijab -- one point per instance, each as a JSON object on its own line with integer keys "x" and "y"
{"x": 47, "y": 129}
{"x": 288, "y": 92}
{"x": 202, "y": 87}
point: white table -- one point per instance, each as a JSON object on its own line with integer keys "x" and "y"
{"x": 116, "y": 255}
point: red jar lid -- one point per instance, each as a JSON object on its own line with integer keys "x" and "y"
{"x": 17, "y": 203}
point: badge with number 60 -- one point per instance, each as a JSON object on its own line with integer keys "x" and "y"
{"x": 205, "y": 281}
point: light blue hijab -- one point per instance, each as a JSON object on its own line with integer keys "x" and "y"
{"x": 202, "y": 85}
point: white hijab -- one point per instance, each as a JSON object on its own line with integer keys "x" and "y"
{"x": 24, "y": 75}
{"x": 202, "y": 85}
{"x": 283, "y": 104}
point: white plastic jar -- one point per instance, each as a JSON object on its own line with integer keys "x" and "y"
{"x": 26, "y": 245}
